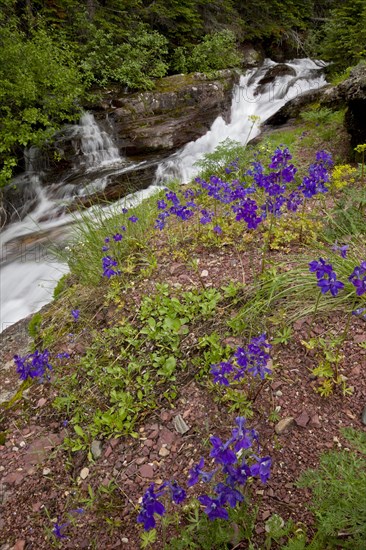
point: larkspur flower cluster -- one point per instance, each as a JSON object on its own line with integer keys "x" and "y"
{"x": 253, "y": 360}
{"x": 233, "y": 166}
{"x": 341, "y": 249}
{"x": 358, "y": 278}
{"x": 172, "y": 206}
{"x": 108, "y": 265}
{"x": 33, "y": 365}
{"x": 327, "y": 278}
{"x": 273, "y": 181}
{"x": 151, "y": 504}
{"x": 318, "y": 175}
{"x": 236, "y": 462}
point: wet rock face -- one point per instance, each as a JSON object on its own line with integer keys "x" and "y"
{"x": 181, "y": 109}
{"x": 293, "y": 108}
{"x": 352, "y": 92}
{"x": 273, "y": 73}
{"x": 16, "y": 201}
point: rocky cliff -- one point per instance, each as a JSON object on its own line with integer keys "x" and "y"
{"x": 352, "y": 93}
{"x": 181, "y": 109}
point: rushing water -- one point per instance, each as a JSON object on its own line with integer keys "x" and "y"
{"x": 29, "y": 271}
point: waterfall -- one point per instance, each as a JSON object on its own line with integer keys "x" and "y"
{"x": 94, "y": 147}
{"x": 250, "y": 99}
{"x": 29, "y": 271}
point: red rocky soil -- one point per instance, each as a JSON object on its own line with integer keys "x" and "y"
{"x": 40, "y": 483}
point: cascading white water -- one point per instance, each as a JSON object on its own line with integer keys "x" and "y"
{"x": 247, "y": 102}
{"x": 95, "y": 145}
{"x": 29, "y": 272}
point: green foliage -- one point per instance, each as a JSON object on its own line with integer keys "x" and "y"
{"x": 131, "y": 367}
{"x": 133, "y": 63}
{"x": 347, "y": 218}
{"x": 84, "y": 253}
{"x": 60, "y": 287}
{"x": 339, "y": 494}
{"x": 216, "y": 51}
{"x": 203, "y": 534}
{"x": 40, "y": 87}
{"x": 317, "y": 115}
{"x": 328, "y": 357}
{"x": 283, "y": 336}
{"x": 284, "y": 294}
{"x": 34, "y": 325}
{"x": 344, "y": 35}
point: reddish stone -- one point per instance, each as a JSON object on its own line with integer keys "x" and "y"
{"x": 114, "y": 442}
{"x": 19, "y": 545}
{"x": 166, "y": 437}
{"x": 14, "y": 478}
{"x": 165, "y": 416}
{"x": 108, "y": 451}
{"x": 148, "y": 443}
{"x": 315, "y": 422}
{"x": 303, "y": 419}
{"x": 146, "y": 471}
{"x": 40, "y": 448}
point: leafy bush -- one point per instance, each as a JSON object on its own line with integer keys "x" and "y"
{"x": 216, "y": 51}
{"x": 133, "y": 63}
{"x": 40, "y": 87}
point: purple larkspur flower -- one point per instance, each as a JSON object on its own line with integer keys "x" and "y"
{"x": 162, "y": 204}
{"x": 221, "y": 451}
{"x": 228, "y": 495}
{"x": 262, "y": 468}
{"x": 238, "y": 474}
{"x": 341, "y": 249}
{"x": 358, "y": 278}
{"x": 108, "y": 264}
{"x": 75, "y": 313}
{"x": 331, "y": 284}
{"x": 220, "y": 371}
{"x": 196, "y": 473}
{"x": 217, "y": 229}
{"x": 150, "y": 506}
{"x": 360, "y": 312}
{"x": 177, "y": 492}
{"x": 117, "y": 237}
{"x": 133, "y": 219}
{"x": 59, "y": 530}
{"x": 213, "y": 507}
{"x": 320, "y": 268}
{"x": 33, "y": 365}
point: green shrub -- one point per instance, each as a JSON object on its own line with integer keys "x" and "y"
{"x": 216, "y": 51}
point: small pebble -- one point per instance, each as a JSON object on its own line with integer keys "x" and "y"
{"x": 84, "y": 473}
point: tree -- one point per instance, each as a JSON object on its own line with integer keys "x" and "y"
{"x": 40, "y": 88}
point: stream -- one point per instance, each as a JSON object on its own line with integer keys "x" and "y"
{"x": 29, "y": 270}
